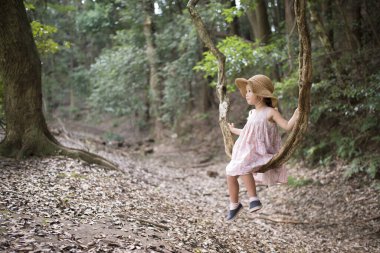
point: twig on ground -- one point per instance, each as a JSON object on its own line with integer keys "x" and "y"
{"x": 152, "y": 223}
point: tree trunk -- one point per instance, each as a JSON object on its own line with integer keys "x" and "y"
{"x": 207, "y": 94}
{"x": 290, "y": 25}
{"x": 154, "y": 78}
{"x": 258, "y": 19}
{"x": 289, "y": 16}
{"x": 20, "y": 69}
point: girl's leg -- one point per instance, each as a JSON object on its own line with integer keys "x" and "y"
{"x": 233, "y": 188}
{"x": 250, "y": 184}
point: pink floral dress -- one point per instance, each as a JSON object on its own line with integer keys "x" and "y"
{"x": 258, "y": 142}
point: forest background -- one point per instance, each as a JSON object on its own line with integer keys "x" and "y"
{"x": 141, "y": 66}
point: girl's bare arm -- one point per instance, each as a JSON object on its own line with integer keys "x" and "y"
{"x": 233, "y": 129}
{"x": 283, "y": 123}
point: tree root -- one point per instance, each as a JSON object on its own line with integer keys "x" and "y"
{"x": 87, "y": 157}
{"x": 44, "y": 146}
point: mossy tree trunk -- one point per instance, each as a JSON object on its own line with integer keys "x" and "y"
{"x": 20, "y": 69}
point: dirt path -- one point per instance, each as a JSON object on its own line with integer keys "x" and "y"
{"x": 175, "y": 201}
{"x": 330, "y": 214}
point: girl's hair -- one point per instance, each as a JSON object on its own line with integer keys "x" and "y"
{"x": 268, "y": 102}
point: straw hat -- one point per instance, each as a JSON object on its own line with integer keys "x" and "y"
{"x": 261, "y": 86}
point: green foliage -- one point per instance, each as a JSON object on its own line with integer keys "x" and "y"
{"x": 42, "y": 34}
{"x": 287, "y": 92}
{"x": 95, "y": 19}
{"x": 293, "y": 182}
{"x": 61, "y": 8}
{"x": 213, "y": 16}
{"x": 376, "y": 186}
{"x": 119, "y": 81}
{"x": 178, "y": 47}
{"x": 29, "y": 6}
{"x": 369, "y": 164}
{"x": 242, "y": 56}
{"x": 344, "y": 125}
{"x": 231, "y": 13}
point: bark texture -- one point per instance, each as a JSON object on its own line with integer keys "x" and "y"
{"x": 221, "y": 87}
{"x": 20, "y": 69}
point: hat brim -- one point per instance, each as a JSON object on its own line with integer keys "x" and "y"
{"x": 241, "y": 83}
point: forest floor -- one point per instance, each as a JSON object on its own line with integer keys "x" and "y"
{"x": 170, "y": 198}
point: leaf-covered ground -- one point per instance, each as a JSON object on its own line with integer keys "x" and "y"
{"x": 175, "y": 200}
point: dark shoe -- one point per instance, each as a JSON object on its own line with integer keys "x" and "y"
{"x": 232, "y": 214}
{"x": 255, "y": 205}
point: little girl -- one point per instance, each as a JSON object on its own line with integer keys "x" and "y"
{"x": 258, "y": 142}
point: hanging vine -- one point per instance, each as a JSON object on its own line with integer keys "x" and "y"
{"x": 221, "y": 86}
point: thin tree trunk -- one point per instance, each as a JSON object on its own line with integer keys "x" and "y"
{"x": 289, "y": 16}
{"x": 234, "y": 26}
{"x": 207, "y": 96}
{"x": 262, "y": 18}
{"x": 251, "y": 15}
{"x": 20, "y": 69}
{"x": 258, "y": 19}
{"x": 154, "y": 78}
{"x": 328, "y": 14}
{"x": 290, "y": 25}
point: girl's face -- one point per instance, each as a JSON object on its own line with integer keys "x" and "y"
{"x": 252, "y": 99}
